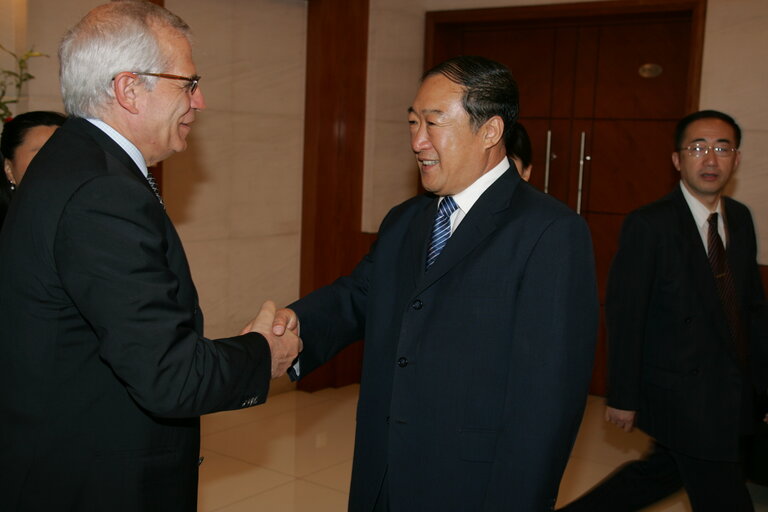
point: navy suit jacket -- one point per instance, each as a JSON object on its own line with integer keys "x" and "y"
{"x": 671, "y": 357}
{"x": 475, "y": 373}
{"x": 106, "y": 371}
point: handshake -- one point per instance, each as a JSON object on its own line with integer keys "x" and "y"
{"x": 281, "y": 330}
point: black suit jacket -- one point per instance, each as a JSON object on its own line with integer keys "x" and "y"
{"x": 671, "y": 356}
{"x": 106, "y": 371}
{"x": 475, "y": 373}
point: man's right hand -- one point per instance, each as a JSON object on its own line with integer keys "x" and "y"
{"x": 625, "y": 420}
{"x": 285, "y": 348}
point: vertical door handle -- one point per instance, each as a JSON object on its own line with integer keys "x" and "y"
{"x": 547, "y": 161}
{"x": 582, "y": 158}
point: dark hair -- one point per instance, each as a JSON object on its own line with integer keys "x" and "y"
{"x": 489, "y": 87}
{"x": 521, "y": 145}
{"x": 16, "y": 129}
{"x": 683, "y": 124}
{"x": 12, "y": 137}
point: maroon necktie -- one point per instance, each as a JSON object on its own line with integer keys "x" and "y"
{"x": 726, "y": 288}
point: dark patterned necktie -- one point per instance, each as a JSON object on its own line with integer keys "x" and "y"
{"x": 441, "y": 230}
{"x": 726, "y": 288}
{"x": 153, "y": 185}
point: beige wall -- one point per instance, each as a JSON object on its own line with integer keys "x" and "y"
{"x": 235, "y": 194}
{"x": 735, "y": 80}
{"x": 735, "y": 76}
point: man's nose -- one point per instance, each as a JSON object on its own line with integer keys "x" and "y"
{"x": 419, "y": 140}
{"x": 198, "y": 100}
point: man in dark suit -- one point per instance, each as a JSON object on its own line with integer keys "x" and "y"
{"x": 686, "y": 332}
{"x": 106, "y": 368}
{"x": 477, "y": 358}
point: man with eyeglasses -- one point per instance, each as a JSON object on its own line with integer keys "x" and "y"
{"x": 686, "y": 333}
{"x": 106, "y": 370}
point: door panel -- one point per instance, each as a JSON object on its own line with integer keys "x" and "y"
{"x": 630, "y": 164}
{"x": 605, "y": 229}
{"x": 620, "y": 90}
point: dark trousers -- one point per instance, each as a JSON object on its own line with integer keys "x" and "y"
{"x": 382, "y": 501}
{"x": 711, "y": 486}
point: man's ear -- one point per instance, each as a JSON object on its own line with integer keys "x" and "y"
{"x": 126, "y": 88}
{"x": 493, "y": 131}
{"x": 676, "y": 160}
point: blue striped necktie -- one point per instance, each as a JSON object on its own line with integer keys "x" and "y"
{"x": 441, "y": 230}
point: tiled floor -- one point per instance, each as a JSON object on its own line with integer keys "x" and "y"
{"x": 294, "y": 454}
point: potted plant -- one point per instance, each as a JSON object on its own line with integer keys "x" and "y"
{"x": 11, "y": 80}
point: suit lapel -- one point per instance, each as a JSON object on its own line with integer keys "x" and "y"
{"x": 111, "y": 147}
{"x": 417, "y": 238}
{"x": 481, "y": 221}
{"x": 696, "y": 256}
{"x": 737, "y": 243}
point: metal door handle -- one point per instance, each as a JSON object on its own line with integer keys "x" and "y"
{"x": 582, "y": 158}
{"x": 547, "y": 160}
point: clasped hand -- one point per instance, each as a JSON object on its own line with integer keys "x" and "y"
{"x": 285, "y": 343}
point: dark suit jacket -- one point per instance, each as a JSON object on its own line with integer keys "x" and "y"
{"x": 670, "y": 352}
{"x": 475, "y": 374}
{"x": 106, "y": 371}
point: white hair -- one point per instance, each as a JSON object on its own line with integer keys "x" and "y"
{"x": 112, "y": 38}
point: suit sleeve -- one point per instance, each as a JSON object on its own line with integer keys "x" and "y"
{"x": 333, "y": 316}
{"x": 758, "y": 317}
{"x": 110, "y": 251}
{"x": 556, "y": 329}
{"x": 628, "y": 298}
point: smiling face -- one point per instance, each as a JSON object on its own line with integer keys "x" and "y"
{"x": 168, "y": 109}
{"x": 451, "y": 156}
{"x": 705, "y": 177}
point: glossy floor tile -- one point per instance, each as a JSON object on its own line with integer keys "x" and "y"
{"x": 294, "y": 454}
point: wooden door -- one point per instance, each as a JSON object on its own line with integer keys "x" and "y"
{"x": 601, "y": 87}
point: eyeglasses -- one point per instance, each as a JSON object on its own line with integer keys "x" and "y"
{"x": 721, "y": 150}
{"x": 192, "y": 81}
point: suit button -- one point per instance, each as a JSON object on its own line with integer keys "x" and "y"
{"x": 688, "y": 321}
{"x": 417, "y": 304}
{"x": 402, "y": 362}
{"x": 695, "y": 372}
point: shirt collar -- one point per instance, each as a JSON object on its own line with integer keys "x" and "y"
{"x": 700, "y": 212}
{"x": 124, "y": 143}
{"x": 469, "y": 196}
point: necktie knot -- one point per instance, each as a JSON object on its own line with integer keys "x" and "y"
{"x": 447, "y": 206}
{"x": 441, "y": 229}
{"x": 712, "y": 221}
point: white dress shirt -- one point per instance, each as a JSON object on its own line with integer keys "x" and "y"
{"x": 124, "y": 143}
{"x": 469, "y": 196}
{"x": 701, "y": 216}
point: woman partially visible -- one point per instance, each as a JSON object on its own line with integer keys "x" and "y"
{"x": 520, "y": 152}
{"x": 22, "y": 138}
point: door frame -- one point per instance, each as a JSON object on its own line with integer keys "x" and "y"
{"x": 438, "y": 22}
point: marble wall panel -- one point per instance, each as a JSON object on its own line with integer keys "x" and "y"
{"x": 265, "y": 193}
{"x": 268, "y": 56}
